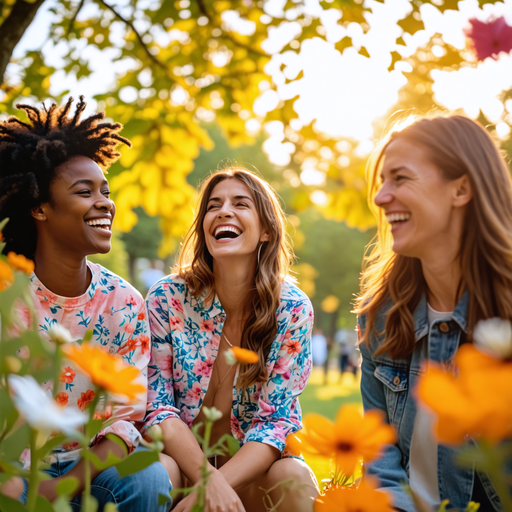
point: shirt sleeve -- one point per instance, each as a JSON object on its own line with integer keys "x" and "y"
{"x": 161, "y": 404}
{"x": 123, "y": 419}
{"x": 278, "y": 414}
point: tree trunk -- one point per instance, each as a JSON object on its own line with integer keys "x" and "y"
{"x": 13, "y": 28}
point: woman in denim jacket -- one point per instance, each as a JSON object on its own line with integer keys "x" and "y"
{"x": 442, "y": 195}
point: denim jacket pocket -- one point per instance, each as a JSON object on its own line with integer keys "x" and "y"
{"x": 395, "y": 382}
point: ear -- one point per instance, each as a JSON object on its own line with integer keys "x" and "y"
{"x": 265, "y": 237}
{"x": 463, "y": 191}
{"x": 38, "y": 213}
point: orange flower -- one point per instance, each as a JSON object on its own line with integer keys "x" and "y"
{"x": 109, "y": 372}
{"x": 453, "y": 397}
{"x": 145, "y": 343}
{"x": 20, "y": 262}
{"x": 365, "y": 498}
{"x": 62, "y": 398}
{"x": 241, "y": 355}
{"x": 349, "y": 439}
{"x": 6, "y": 275}
{"x": 85, "y": 398}
{"x": 129, "y": 346}
{"x": 292, "y": 347}
{"x": 67, "y": 375}
{"x": 141, "y": 315}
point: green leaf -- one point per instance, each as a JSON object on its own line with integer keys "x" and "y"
{"x": 13, "y": 292}
{"x": 92, "y": 506}
{"x": 110, "y": 507}
{"x": 88, "y": 335}
{"x": 163, "y": 499}
{"x": 10, "y": 505}
{"x": 13, "y": 446}
{"x": 43, "y": 505}
{"x": 61, "y": 504}
{"x": 232, "y": 444}
{"x": 50, "y": 445}
{"x": 67, "y": 486}
{"x": 3, "y": 223}
{"x": 118, "y": 441}
{"x": 110, "y": 461}
{"x": 136, "y": 462}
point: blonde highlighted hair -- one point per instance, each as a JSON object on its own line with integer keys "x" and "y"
{"x": 457, "y": 146}
{"x": 195, "y": 266}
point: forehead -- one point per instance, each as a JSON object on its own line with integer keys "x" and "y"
{"x": 402, "y": 153}
{"x": 229, "y": 188}
{"x": 79, "y": 168}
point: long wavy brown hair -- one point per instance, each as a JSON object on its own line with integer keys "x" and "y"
{"x": 195, "y": 266}
{"x": 457, "y": 146}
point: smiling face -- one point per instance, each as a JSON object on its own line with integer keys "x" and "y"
{"x": 232, "y": 225}
{"x": 79, "y": 215}
{"x": 422, "y": 206}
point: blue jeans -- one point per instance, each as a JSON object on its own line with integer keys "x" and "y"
{"x": 134, "y": 493}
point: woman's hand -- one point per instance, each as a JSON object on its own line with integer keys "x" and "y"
{"x": 220, "y": 497}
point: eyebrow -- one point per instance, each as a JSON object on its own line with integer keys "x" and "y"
{"x": 236, "y": 198}
{"x": 87, "y": 182}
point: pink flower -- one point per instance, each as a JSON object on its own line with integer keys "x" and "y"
{"x": 165, "y": 365}
{"x": 215, "y": 339}
{"x": 187, "y": 417}
{"x": 235, "y": 428}
{"x": 490, "y": 38}
{"x": 131, "y": 301}
{"x": 304, "y": 376}
{"x": 129, "y": 328}
{"x": 204, "y": 367}
{"x": 176, "y": 304}
{"x": 281, "y": 366}
{"x": 266, "y": 409}
{"x": 286, "y": 336}
{"x": 194, "y": 393}
{"x": 176, "y": 324}
{"x": 207, "y": 325}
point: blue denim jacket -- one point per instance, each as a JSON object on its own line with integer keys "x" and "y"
{"x": 388, "y": 384}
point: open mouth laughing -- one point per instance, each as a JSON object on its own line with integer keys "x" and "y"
{"x": 397, "y": 219}
{"x": 226, "y": 232}
{"x": 104, "y": 224}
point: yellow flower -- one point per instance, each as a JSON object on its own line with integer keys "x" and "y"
{"x": 19, "y": 262}
{"x": 106, "y": 371}
{"x": 6, "y": 275}
{"x": 352, "y": 436}
{"x": 241, "y": 355}
{"x": 452, "y": 397}
{"x": 365, "y": 498}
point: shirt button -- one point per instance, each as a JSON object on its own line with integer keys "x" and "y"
{"x": 444, "y": 327}
{"x": 396, "y": 380}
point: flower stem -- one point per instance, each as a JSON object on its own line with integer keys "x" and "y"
{"x": 494, "y": 470}
{"x": 34, "y": 475}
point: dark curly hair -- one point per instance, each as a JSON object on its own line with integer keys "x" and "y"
{"x": 30, "y": 153}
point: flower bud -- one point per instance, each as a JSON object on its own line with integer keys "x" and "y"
{"x": 212, "y": 413}
{"x": 155, "y": 433}
{"x": 494, "y": 337}
{"x": 13, "y": 364}
{"x": 59, "y": 334}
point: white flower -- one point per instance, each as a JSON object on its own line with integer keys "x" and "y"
{"x": 494, "y": 337}
{"x": 39, "y": 410}
{"x": 59, "y": 334}
{"x": 212, "y": 413}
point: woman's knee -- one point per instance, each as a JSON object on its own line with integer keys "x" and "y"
{"x": 292, "y": 470}
{"x": 173, "y": 470}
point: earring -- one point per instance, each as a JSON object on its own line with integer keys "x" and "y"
{"x": 259, "y": 253}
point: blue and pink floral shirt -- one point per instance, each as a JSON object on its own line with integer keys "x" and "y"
{"x": 185, "y": 335}
{"x": 116, "y": 313}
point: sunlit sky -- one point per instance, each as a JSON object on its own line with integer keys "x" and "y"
{"x": 341, "y": 94}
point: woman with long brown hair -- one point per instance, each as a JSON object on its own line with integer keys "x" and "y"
{"x": 230, "y": 290}
{"x": 442, "y": 261}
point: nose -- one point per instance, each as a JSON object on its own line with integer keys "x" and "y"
{"x": 104, "y": 203}
{"x": 383, "y": 197}
{"x": 225, "y": 211}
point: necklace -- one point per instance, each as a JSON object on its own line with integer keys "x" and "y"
{"x": 225, "y": 376}
{"x": 226, "y": 338}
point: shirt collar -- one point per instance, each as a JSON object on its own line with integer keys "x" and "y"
{"x": 421, "y": 317}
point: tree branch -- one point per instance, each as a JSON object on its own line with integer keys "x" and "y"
{"x": 13, "y": 28}
{"x": 139, "y": 37}
{"x": 73, "y": 19}
{"x": 204, "y": 11}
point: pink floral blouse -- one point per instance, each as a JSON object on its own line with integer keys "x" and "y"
{"x": 116, "y": 313}
{"x": 185, "y": 335}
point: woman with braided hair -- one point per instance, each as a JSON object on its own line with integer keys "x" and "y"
{"x": 54, "y": 192}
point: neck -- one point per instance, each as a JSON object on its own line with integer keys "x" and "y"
{"x": 443, "y": 279}
{"x": 62, "y": 273}
{"x": 233, "y": 281}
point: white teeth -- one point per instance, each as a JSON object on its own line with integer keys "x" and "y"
{"x": 397, "y": 217}
{"x": 98, "y": 222}
{"x": 220, "y": 229}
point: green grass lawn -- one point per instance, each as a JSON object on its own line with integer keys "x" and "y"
{"x": 325, "y": 398}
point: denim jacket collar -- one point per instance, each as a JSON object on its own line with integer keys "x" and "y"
{"x": 421, "y": 316}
